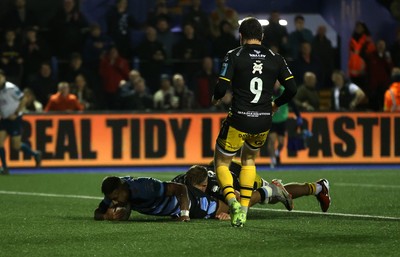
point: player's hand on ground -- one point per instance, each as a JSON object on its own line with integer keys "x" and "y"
{"x": 223, "y": 216}
{"x": 115, "y": 214}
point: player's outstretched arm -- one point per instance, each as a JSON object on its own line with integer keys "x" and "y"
{"x": 181, "y": 193}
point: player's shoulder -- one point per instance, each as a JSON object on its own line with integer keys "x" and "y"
{"x": 10, "y": 85}
{"x": 179, "y": 179}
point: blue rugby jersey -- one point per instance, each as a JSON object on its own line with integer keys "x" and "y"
{"x": 147, "y": 196}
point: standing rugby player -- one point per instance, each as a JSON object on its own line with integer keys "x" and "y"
{"x": 251, "y": 70}
{"x": 12, "y": 102}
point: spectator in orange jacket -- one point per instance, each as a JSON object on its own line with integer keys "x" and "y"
{"x": 392, "y": 95}
{"x": 63, "y": 100}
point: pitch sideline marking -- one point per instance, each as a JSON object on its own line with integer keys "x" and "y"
{"x": 254, "y": 208}
{"x": 50, "y": 195}
{"x": 331, "y": 214}
{"x": 366, "y": 185}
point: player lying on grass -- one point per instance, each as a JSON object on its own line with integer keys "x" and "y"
{"x": 153, "y": 197}
{"x": 205, "y": 179}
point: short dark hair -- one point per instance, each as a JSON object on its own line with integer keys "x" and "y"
{"x": 299, "y": 17}
{"x": 196, "y": 175}
{"x": 110, "y": 184}
{"x": 251, "y": 28}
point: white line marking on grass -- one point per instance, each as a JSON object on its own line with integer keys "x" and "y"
{"x": 366, "y": 185}
{"x": 50, "y": 195}
{"x": 331, "y": 214}
{"x": 253, "y": 208}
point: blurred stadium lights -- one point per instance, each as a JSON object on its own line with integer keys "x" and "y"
{"x": 265, "y": 22}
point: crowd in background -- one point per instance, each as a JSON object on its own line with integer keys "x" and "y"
{"x": 74, "y": 65}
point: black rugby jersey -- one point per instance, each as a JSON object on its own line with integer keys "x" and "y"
{"x": 252, "y": 71}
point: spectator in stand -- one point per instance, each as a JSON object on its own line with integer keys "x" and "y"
{"x": 96, "y": 44}
{"x": 76, "y": 67}
{"x": 395, "y": 49}
{"x": 160, "y": 10}
{"x": 20, "y": 17}
{"x": 11, "y": 57}
{"x": 379, "y": 67}
{"x": 140, "y": 100}
{"x": 307, "y": 97}
{"x": 186, "y": 99}
{"x": 113, "y": 69}
{"x": 276, "y": 34}
{"x": 68, "y": 28}
{"x": 63, "y": 100}
{"x": 225, "y": 41}
{"x": 34, "y": 52}
{"x": 164, "y": 98}
{"x": 346, "y": 95}
{"x": 83, "y": 92}
{"x": 126, "y": 87}
{"x": 306, "y": 61}
{"x": 43, "y": 84}
{"x": 189, "y": 51}
{"x": 392, "y": 95}
{"x": 220, "y": 13}
{"x": 199, "y": 18}
{"x": 204, "y": 82}
{"x": 32, "y": 105}
{"x": 299, "y": 36}
{"x": 166, "y": 36}
{"x": 322, "y": 47}
{"x": 152, "y": 58}
{"x": 361, "y": 45}
{"x": 119, "y": 23}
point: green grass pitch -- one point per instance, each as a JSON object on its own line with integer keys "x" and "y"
{"x": 48, "y": 215}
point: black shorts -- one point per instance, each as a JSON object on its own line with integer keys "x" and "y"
{"x": 12, "y": 127}
{"x": 278, "y": 128}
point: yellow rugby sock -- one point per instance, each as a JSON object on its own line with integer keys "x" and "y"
{"x": 225, "y": 181}
{"x": 312, "y": 188}
{"x": 246, "y": 178}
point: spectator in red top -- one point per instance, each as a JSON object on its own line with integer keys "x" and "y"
{"x": 204, "y": 82}
{"x": 63, "y": 100}
{"x": 113, "y": 69}
{"x": 379, "y": 67}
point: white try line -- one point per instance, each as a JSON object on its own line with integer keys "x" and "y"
{"x": 253, "y": 208}
{"x": 366, "y": 185}
{"x": 50, "y": 195}
{"x": 331, "y": 214}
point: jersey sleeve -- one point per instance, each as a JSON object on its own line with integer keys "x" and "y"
{"x": 17, "y": 94}
{"x": 225, "y": 77}
{"x": 285, "y": 73}
{"x": 286, "y": 79}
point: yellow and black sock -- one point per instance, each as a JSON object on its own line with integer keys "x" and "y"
{"x": 225, "y": 181}
{"x": 246, "y": 178}
{"x": 312, "y": 188}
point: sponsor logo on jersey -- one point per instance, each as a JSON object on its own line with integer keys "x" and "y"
{"x": 257, "y": 67}
{"x": 257, "y": 54}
